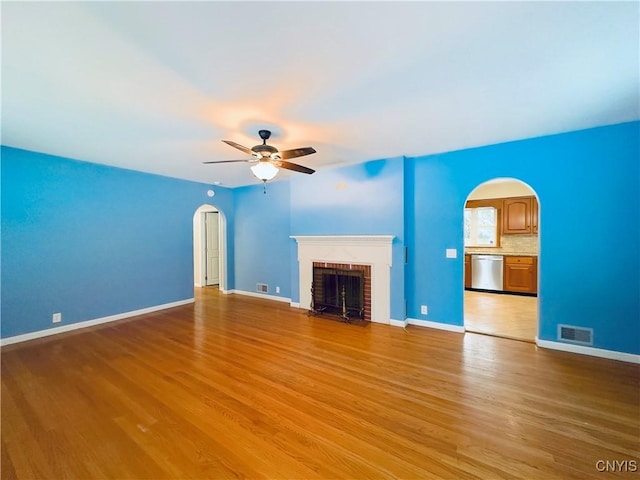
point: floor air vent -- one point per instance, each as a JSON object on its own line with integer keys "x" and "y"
{"x": 262, "y": 288}
{"x": 581, "y": 335}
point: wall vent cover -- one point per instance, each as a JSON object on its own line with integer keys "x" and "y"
{"x": 580, "y": 335}
{"x": 262, "y": 288}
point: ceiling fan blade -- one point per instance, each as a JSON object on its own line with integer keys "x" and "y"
{"x": 238, "y": 146}
{"x": 293, "y": 166}
{"x": 297, "y": 152}
{"x": 227, "y": 161}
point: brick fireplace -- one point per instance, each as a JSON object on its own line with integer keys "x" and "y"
{"x": 358, "y": 301}
{"x": 369, "y": 253}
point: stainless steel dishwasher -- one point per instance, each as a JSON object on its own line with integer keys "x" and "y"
{"x": 486, "y": 272}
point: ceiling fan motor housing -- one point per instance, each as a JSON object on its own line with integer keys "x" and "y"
{"x": 261, "y": 151}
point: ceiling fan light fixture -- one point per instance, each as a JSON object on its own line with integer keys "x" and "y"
{"x": 265, "y": 171}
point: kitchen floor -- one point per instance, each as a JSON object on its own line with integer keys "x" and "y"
{"x": 502, "y": 315}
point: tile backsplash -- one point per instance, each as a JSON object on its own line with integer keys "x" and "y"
{"x": 516, "y": 244}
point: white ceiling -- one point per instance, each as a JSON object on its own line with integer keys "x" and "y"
{"x": 156, "y": 86}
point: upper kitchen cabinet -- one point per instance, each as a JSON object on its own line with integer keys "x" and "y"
{"x": 534, "y": 215}
{"x": 520, "y": 215}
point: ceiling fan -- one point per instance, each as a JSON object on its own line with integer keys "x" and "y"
{"x": 267, "y": 159}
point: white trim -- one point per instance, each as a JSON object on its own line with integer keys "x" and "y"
{"x": 440, "y": 326}
{"x": 398, "y": 323}
{"x": 295, "y": 304}
{"x": 594, "y": 352}
{"x": 199, "y": 257}
{"x": 259, "y": 295}
{"x": 90, "y": 323}
{"x": 343, "y": 239}
{"x": 372, "y": 250}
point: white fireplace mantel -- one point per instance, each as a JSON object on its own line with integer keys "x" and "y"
{"x": 345, "y": 239}
{"x": 374, "y": 250}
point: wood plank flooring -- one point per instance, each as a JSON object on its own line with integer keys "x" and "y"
{"x": 503, "y": 315}
{"x": 240, "y": 387}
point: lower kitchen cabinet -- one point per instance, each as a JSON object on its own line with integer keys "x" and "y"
{"x": 467, "y": 271}
{"x": 521, "y": 274}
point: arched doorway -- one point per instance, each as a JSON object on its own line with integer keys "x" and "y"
{"x": 502, "y": 247}
{"x": 209, "y": 232}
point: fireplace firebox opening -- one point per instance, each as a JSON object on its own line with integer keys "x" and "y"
{"x": 340, "y": 290}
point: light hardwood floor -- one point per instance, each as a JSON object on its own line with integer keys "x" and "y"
{"x": 241, "y": 387}
{"x": 509, "y": 316}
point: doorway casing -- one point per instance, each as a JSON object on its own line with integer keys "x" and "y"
{"x": 199, "y": 246}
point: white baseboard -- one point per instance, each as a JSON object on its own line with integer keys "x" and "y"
{"x": 259, "y": 295}
{"x": 440, "y": 326}
{"x": 398, "y": 323}
{"x": 295, "y": 304}
{"x": 90, "y": 323}
{"x": 427, "y": 324}
{"x": 594, "y": 352}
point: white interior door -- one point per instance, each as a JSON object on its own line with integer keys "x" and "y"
{"x": 212, "y": 247}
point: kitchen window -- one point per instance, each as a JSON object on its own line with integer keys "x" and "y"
{"x": 481, "y": 227}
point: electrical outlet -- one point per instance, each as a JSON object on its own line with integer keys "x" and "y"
{"x": 423, "y": 310}
{"x": 56, "y": 318}
{"x": 277, "y": 289}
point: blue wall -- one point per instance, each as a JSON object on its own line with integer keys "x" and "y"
{"x": 91, "y": 241}
{"x": 362, "y": 199}
{"x": 588, "y": 185}
{"x": 262, "y": 238}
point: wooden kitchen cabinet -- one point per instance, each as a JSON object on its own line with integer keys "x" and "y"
{"x": 534, "y": 215}
{"x": 519, "y": 216}
{"x": 520, "y": 274}
{"x": 467, "y": 271}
